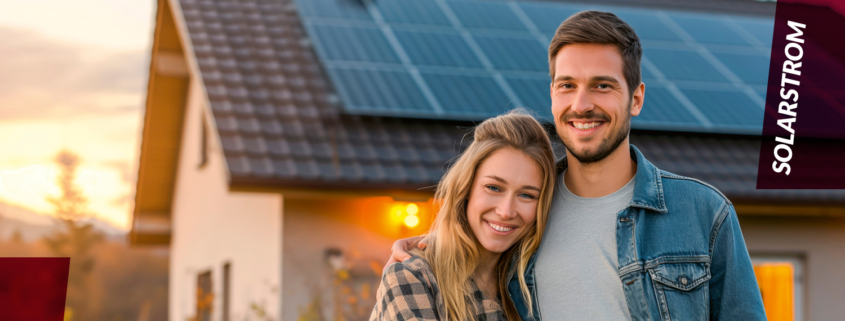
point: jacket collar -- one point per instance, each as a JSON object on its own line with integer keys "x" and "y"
{"x": 648, "y": 188}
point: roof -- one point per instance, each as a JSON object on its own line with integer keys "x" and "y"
{"x": 281, "y": 124}
{"x": 470, "y": 60}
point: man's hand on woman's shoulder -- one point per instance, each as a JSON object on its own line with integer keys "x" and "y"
{"x": 400, "y": 249}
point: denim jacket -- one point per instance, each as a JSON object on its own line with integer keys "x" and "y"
{"x": 681, "y": 253}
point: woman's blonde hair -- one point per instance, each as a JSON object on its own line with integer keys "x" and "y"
{"x": 453, "y": 250}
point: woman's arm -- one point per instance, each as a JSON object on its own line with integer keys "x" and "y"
{"x": 405, "y": 293}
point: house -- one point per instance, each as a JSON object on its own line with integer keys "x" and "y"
{"x": 287, "y": 144}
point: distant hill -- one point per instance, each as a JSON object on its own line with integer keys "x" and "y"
{"x": 33, "y": 226}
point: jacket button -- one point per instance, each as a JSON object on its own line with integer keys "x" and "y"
{"x": 684, "y": 280}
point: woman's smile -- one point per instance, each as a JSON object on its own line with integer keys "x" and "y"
{"x": 500, "y": 228}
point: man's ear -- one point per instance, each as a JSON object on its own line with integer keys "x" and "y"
{"x": 637, "y": 100}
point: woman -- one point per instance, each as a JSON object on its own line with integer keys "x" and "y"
{"x": 493, "y": 204}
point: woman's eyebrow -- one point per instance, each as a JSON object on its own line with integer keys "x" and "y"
{"x": 531, "y": 187}
{"x": 503, "y": 181}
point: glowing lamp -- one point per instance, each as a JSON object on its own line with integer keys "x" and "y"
{"x": 412, "y": 209}
{"x": 412, "y": 220}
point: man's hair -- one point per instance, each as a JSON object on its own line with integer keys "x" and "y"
{"x": 603, "y": 28}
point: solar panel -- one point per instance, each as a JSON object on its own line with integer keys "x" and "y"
{"x": 762, "y": 30}
{"x": 683, "y": 65}
{"x": 420, "y": 12}
{"x": 752, "y": 69}
{"x": 333, "y": 9}
{"x": 486, "y": 15}
{"x": 645, "y": 73}
{"x": 727, "y": 108}
{"x": 379, "y": 91}
{"x": 708, "y": 30}
{"x": 547, "y": 17}
{"x": 470, "y": 60}
{"x": 661, "y": 108}
{"x": 534, "y": 93}
{"x": 345, "y": 43}
{"x": 472, "y": 95}
{"x": 514, "y": 53}
{"x": 437, "y": 49}
{"x": 648, "y": 26}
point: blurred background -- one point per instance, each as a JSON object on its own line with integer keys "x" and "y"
{"x": 254, "y": 160}
{"x": 72, "y": 91}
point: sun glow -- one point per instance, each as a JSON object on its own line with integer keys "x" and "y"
{"x": 105, "y": 145}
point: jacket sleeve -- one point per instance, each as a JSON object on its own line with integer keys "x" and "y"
{"x": 404, "y": 295}
{"x": 734, "y": 293}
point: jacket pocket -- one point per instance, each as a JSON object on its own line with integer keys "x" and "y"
{"x": 682, "y": 290}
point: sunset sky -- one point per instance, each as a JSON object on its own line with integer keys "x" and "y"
{"x": 73, "y": 75}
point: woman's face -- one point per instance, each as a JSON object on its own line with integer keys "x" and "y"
{"x": 503, "y": 199}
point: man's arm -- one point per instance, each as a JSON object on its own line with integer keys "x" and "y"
{"x": 734, "y": 293}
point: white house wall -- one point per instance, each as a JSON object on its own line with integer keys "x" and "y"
{"x": 212, "y": 226}
{"x": 818, "y": 243}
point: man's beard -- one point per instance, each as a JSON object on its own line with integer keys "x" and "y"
{"x": 607, "y": 146}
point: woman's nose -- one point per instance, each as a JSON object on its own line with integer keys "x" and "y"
{"x": 506, "y": 208}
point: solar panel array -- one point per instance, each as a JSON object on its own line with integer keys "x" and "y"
{"x": 470, "y": 60}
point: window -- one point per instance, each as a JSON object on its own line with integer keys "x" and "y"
{"x": 227, "y": 267}
{"x": 203, "y": 141}
{"x": 205, "y": 296}
{"x": 780, "y": 281}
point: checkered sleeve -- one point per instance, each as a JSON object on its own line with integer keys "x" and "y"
{"x": 406, "y": 293}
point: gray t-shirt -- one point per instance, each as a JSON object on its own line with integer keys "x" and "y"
{"x": 577, "y": 264}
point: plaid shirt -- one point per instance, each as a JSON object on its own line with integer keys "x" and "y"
{"x": 409, "y": 291}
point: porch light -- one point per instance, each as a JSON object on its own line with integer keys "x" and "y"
{"x": 412, "y": 221}
{"x": 412, "y": 209}
{"x": 406, "y": 214}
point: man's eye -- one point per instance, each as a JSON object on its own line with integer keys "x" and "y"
{"x": 494, "y": 188}
{"x": 603, "y": 86}
{"x": 567, "y": 86}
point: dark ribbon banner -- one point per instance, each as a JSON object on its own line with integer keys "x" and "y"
{"x": 803, "y": 142}
{"x": 33, "y": 288}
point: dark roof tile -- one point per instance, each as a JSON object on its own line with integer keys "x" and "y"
{"x": 261, "y": 167}
{"x": 278, "y": 147}
{"x": 351, "y": 171}
{"x": 238, "y": 165}
{"x": 328, "y": 171}
{"x": 226, "y": 123}
{"x": 232, "y": 144}
{"x": 321, "y": 149}
{"x": 284, "y": 168}
{"x": 373, "y": 172}
{"x": 255, "y": 145}
{"x": 307, "y": 169}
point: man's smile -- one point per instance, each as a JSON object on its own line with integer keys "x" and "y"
{"x": 581, "y": 128}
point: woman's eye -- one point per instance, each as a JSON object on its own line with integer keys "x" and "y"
{"x": 526, "y": 195}
{"x": 494, "y": 188}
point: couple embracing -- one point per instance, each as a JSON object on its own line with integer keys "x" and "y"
{"x": 601, "y": 234}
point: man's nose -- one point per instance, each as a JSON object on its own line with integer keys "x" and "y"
{"x": 582, "y": 102}
{"x": 506, "y": 208}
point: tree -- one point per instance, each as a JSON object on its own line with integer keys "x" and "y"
{"x": 74, "y": 239}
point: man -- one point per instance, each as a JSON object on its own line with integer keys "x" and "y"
{"x": 625, "y": 240}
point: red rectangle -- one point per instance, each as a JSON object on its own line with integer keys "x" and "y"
{"x": 33, "y": 288}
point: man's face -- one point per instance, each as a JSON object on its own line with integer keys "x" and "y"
{"x": 590, "y": 100}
